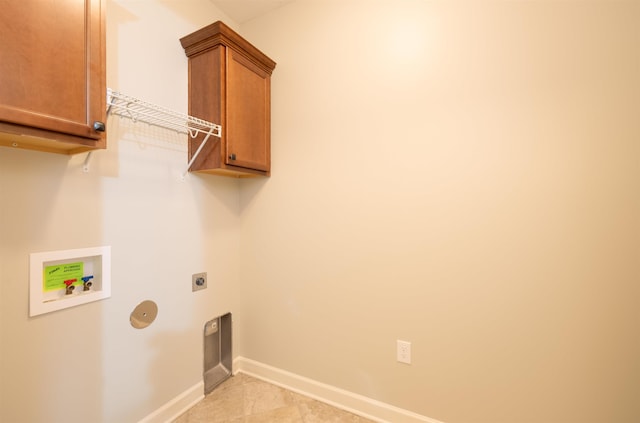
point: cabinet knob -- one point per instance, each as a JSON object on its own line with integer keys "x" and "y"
{"x": 232, "y": 156}
{"x": 99, "y": 126}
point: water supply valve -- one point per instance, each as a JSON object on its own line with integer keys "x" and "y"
{"x": 86, "y": 282}
{"x": 70, "y": 286}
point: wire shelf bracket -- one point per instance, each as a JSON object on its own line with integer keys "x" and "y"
{"x": 137, "y": 110}
{"x": 85, "y": 164}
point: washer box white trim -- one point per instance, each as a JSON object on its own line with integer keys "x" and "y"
{"x": 96, "y": 262}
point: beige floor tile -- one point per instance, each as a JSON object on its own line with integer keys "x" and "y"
{"x": 261, "y": 396}
{"x": 319, "y": 412}
{"x": 244, "y": 399}
{"x": 289, "y": 414}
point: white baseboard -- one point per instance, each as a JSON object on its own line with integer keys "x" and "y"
{"x": 175, "y": 407}
{"x": 339, "y": 398}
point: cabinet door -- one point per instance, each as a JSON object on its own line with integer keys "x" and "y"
{"x": 248, "y": 114}
{"x": 52, "y": 65}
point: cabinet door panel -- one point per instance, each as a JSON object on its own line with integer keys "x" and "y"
{"x": 248, "y": 114}
{"x": 51, "y": 67}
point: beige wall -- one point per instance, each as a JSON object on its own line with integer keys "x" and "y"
{"x": 464, "y": 176}
{"x": 87, "y": 364}
{"x": 461, "y": 175}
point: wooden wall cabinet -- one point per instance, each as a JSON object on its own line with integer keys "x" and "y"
{"x": 230, "y": 84}
{"x": 52, "y": 75}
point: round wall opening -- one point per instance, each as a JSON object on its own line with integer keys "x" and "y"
{"x": 144, "y": 314}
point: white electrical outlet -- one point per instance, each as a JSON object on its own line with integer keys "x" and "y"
{"x": 404, "y": 352}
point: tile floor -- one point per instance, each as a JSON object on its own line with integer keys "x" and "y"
{"x": 244, "y": 399}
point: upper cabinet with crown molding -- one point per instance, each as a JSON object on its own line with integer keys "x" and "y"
{"x": 52, "y": 75}
{"x": 230, "y": 84}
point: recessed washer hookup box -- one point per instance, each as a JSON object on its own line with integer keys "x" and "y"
{"x": 67, "y": 278}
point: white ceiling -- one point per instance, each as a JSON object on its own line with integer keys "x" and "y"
{"x": 243, "y": 10}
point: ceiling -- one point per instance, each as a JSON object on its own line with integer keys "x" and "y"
{"x": 243, "y": 10}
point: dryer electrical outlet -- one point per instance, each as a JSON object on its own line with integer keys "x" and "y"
{"x": 198, "y": 281}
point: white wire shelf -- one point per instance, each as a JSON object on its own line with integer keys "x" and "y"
{"x": 137, "y": 110}
{"x": 140, "y": 111}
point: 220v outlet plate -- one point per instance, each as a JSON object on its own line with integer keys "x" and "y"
{"x": 198, "y": 281}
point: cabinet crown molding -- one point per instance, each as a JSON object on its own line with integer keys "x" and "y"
{"x": 218, "y": 33}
